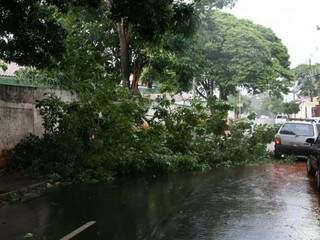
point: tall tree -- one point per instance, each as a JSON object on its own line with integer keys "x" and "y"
{"x": 233, "y": 53}
{"x": 29, "y": 32}
{"x": 275, "y": 105}
{"x": 307, "y": 78}
{"x": 291, "y": 108}
{"x": 142, "y": 24}
{"x": 172, "y": 65}
{"x": 31, "y": 35}
{"x": 91, "y": 55}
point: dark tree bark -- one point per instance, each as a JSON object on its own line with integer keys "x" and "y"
{"x": 137, "y": 69}
{"x": 223, "y": 95}
{"x": 137, "y": 66}
{"x": 123, "y": 33}
{"x": 150, "y": 84}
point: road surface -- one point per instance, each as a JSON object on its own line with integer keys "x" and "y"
{"x": 271, "y": 202}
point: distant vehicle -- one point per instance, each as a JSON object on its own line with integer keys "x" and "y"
{"x": 291, "y": 138}
{"x": 313, "y": 161}
{"x": 281, "y": 119}
{"x": 316, "y": 119}
{"x": 264, "y": 120}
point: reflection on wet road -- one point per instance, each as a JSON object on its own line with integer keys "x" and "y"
{"x": 272, "y": 202}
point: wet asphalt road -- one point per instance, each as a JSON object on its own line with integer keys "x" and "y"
{"x": 271, "y": 202}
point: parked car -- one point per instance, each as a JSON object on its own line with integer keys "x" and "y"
{"x": 316, "y": 119}
{"x": 281, "y": 119}
{"x": 313, "y": 161}
{"x": 291, "y": 138}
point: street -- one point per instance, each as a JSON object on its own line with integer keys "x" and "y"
{"x": 267, "y": 202}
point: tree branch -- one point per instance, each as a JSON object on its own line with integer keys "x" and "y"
{"x": 201, "y": 94}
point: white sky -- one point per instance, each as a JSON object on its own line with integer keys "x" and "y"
{"x": 294, "y": 21}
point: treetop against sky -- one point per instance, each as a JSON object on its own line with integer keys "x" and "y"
{"x": 294, "y": 21}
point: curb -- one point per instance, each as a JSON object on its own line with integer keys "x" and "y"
{"x": 26, "y": 193}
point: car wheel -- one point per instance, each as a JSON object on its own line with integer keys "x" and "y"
{"x": 277, "y": 154}
{"x": 310, "y": 170}
{"x": 318, "y": 180}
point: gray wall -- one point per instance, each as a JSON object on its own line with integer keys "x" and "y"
{"x": 18, "y": 115}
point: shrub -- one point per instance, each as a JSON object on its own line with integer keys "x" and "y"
{"x": 102, "y": 137}
{"x": 26, "y": 154}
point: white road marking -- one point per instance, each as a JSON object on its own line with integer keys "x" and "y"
{"x": 78, "y": 230}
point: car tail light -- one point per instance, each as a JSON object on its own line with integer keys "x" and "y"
{"x": 277, "y": 141}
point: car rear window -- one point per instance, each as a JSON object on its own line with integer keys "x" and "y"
{"x": 299, "y": 129}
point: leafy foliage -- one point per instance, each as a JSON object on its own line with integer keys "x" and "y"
{"x": 34, "y": 77}
{"x": 225, "y": 53}
{"x": 101, "y": 138}
{"x": 211, "y": 4}
{"x": 151, "y": 18}
{"x": 291, "y": 108}
{"x": 307, "y": 78}
{"x": 234, "y": 100}
{"x": 81, "y": 134}
{"x": 246, "y": 144}
{"x": 276, "y": 105}
{"x": 91, "y": 57}
{"x": 105, "y": 134}
{"x": 233, "y": 53}
{"x": 3, "y": 66}
{"x": 29, "y": 33}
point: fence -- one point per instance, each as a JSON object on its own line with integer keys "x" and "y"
{"x": 18, "y": 114}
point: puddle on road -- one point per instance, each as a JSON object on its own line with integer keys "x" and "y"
{"x": 244, "y": 203}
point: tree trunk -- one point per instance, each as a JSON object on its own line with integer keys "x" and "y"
{"x": 150, "y": 84}
{"x": 223, "y": 96}
{"x": 136, "y": 77}
{"x": 311, "y": 95}
{"x": 124, "y": 53}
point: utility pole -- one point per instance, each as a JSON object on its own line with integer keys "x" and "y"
{"x": 239, "y": 105}
{"x": 294, "y": 91}
{"x": 312, "y": 80}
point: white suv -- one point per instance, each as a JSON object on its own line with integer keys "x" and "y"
{"x": 291, "y": 138}
{"x": 281, "y": 119}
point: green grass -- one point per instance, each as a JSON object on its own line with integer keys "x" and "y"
{"x": 13, "y": 81}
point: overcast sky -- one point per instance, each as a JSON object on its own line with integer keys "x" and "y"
{"x": 294, "y": 21}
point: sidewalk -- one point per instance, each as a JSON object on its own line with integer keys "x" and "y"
{"x": 16, "y": 188}
{"x": 13, "y": 182}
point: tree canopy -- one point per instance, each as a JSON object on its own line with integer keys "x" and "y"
{"x": 233, "y": 53}
{"x": 307, "y": 78}
{"x": 291, "y": 108}
{"x": 29, "y": 33}
{"x": 276, "y": 105}
{"x": 32, "y": 33}
{"x": 141, "y": 25}
{"x": 153, "y": 39}
{"x": 240, "y": 102}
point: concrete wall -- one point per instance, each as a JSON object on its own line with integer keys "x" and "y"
{"x": 18, "y": 115}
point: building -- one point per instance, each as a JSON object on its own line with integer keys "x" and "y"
{"x": 309, "y": 108}
{"x": 10, "y": 71}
